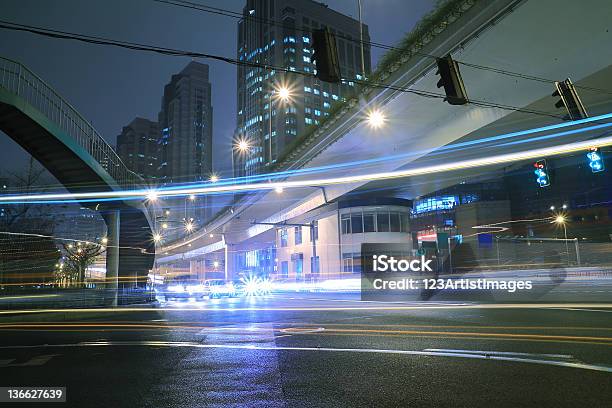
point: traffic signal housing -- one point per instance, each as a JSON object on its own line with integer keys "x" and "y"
{"x": 325, "y": 55}
{"x": 570, "y": 100}
{"x": 541, "y": 172}
{"x": 450, "y": 79}
{"x": 596, "y": 160}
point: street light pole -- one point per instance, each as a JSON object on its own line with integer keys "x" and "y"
{"x": 270, "y": 126}
{"x": 566, "y": 244}
{"x": 361, "y": 41}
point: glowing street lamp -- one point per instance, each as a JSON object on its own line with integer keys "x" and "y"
{"x": 213, "y": 178}
{"x": 189, "y": 226}
{"x": 192, "y": 197}
{"x": 376, "y": 119}
{"x": 561, "y": 219}
{"x": 284, "y": 94}
{"x": 242, "y": 146}
{"x": 157, "y": 237}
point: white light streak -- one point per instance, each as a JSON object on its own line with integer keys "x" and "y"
{"x": 444, "y": 167}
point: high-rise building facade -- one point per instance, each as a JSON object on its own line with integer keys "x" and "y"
{"x": 186, "y": 125}
{"x": 137, "y": 147}
{"x": 274, "y": 107}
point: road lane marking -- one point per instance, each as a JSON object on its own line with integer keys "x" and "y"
{"x": 501, "y": 353}
{"x": 568, "y": 364}
{"x": 582, "y": 310}
{"x": 264, "y": 332}
{"x": 302, "y": 330}
{"x": 32, "y": 362}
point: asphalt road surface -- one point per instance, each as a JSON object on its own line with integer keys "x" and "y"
{"x": 316, "y": 351}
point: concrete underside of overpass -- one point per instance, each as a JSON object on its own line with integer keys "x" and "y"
{"x": 513, "y": 36}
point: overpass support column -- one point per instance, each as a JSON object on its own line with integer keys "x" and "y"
{"x": 112, "y": 219}
{"x": 230, "y": 262}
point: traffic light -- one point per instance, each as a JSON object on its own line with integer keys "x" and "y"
{"x": 541, "y": 172}
{"x": 325, "y": 55}
{"x": 570, "y": 99}
{"x": 596, "y": 161}
{"x": 450, "y": 79}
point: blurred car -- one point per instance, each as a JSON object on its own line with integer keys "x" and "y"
{"x": 217, "y": 288}
{"x": 183, "y": 287}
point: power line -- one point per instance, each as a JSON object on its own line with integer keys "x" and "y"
{"x": 271, "y": 22}
{"x": 277, "y": 23}
{"x": 177, "y": 52}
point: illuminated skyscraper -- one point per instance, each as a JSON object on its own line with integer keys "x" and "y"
{"x": 278, "y": 33}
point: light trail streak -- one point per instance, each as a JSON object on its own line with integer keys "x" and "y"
{"x": 26, "y": 297}
{"x": 500, "y": 306}
{"x": 465, "y": 164}
{"x": 26, "y": 234}
{"x": 229, "y": 186}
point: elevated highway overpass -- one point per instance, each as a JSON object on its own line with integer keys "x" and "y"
{"x": 507, "y": 35}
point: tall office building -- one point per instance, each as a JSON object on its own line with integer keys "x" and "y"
{"x": 137, "y": 147}
{"x": 279, "y": 33}
{"x": 186, "y": 123}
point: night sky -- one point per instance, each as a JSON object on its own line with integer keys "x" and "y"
{"x": 110, "y": 86}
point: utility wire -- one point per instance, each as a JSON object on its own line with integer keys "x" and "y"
{"x": 278, "y": 23}
{"x": 176, "y": 52}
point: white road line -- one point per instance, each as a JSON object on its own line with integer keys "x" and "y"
{"x": 582, "y": 310}
{"x": 501, "y": 353}
{"x": 568, "y": 364}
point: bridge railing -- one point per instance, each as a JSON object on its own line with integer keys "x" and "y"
{"x": 18, "y": 79}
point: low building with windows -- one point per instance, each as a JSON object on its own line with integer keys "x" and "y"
{"x": 326, "y": 243}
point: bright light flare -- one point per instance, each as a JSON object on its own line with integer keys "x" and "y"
{"x": 189, "y": 227}
{"x": 152, "y": 196}
{"x": 284, "y": 94}
{"x": 376, "y": 119}
{"x": 243, "y": 145}
{"x": 157, "y": 237}
{"x": 213, "y": 178}
{"x": 560, "y": 219}
{"x": 251, "y": 285}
